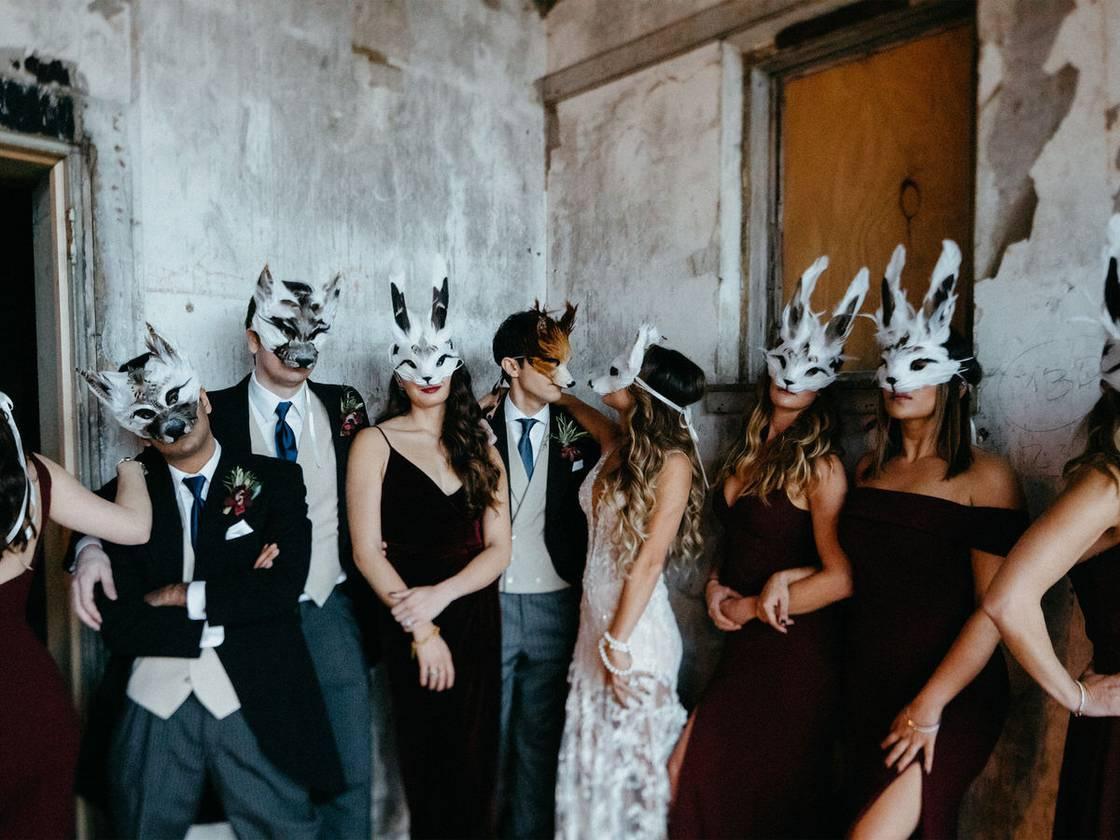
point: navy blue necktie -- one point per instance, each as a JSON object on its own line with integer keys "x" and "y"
{"x": 525, "y": 446}
{"x": 285, "y": 438}
{"x": 194, "y": 484}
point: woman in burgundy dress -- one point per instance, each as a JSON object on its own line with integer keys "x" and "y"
{"x": 38, "y": 727}
{"x": 926, "y": 528}
{"x": 758, "y": 754}
{"x": 427, "y": 483}
{"x": 1079, "y": 534}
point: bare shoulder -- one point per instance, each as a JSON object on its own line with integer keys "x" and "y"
{"x": 994, "y": 481}
{"x": 677, "y": 469}
{"x": 830, "y": 475}
{"x": 1093, "y": 482}
{"x": 369, "y": 445}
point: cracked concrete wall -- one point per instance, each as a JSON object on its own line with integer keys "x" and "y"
{"x": 634, "y": 206}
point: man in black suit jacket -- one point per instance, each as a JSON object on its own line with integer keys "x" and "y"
{"x": 220, "y": 681}
{"x": 547, "y": 456}
{"x": 278, "y": 412}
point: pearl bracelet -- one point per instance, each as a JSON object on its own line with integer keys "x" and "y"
{"x": 927, "y": 729}
{"x": 615, "y": 644}
{"x": 610, "y": 666}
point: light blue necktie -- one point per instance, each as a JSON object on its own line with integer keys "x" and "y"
{"x": 285, "y": 438}
{"x": 525, "y": 446}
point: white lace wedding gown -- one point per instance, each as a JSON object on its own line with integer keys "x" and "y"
{"x": 612, "y": 780}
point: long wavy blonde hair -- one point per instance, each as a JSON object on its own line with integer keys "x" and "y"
{"x": 653, "y": 430}
{"x": 789, "y": 461}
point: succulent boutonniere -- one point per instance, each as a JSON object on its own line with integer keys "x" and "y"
{"x": 354, "y": 415}
{"x": 567, "y": 433}
{"x": 243, "y": 487}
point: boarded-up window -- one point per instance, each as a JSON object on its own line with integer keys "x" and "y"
{"x": 877, "y": 151}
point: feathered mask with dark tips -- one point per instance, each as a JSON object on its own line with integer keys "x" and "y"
{"x": 155, "y": 396}
{"x": 422, "y": 351}
{"x": 809, "y": 354}
{"x": 912, "y": 343}
{"x": 293, "y": 319}
{"x": 1110, "y": 313}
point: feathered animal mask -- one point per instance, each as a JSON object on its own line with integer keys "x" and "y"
{"x": 422, "y": 351}
{"x": 293, "y": 319}
{"x": 155, "y": 396}
{"x": 912, "y": 344}
{"x": 548, "y": 348}
{"x": 809, "y": 354}
{"x": 1110, "y": 312}
{"x": 20, "y": 522}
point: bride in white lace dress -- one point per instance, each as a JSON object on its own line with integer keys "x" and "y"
{"x": 643, "y": 502}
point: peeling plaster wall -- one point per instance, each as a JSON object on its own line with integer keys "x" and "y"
{"x": 634, "y": 204}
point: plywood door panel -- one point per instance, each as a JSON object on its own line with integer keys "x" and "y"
{"x": 874, "y": 152}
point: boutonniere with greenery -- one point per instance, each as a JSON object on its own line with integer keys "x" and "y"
{"x": 243, "y": 487}
{"x": 354, "y": 415}
{"x": 567, "y": 433}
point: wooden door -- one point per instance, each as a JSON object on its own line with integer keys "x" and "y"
{"x": 875, "y": 151}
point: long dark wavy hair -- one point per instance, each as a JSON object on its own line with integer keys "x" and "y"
{"x": 464, "y": 439}
{"x": 789, "y": 461}
{"x": 653, "y": 430}
{"x": 1102, "y": 433}
{"x": 13, "y": 484}
{"x": 952, "y": 415}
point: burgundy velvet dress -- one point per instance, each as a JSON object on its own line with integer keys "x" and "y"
{"x": 447, "y": 741}
{"x": 914, "y": 591}
{"x": 1089, "y": 786}
{"x": 760, "y": 758}
{"x": 38, "y": 727}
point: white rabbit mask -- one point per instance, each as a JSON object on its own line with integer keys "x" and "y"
{"x": 1110, "y": 312}
{"x": 913, "y": 344}
{"x": 809, "y": 355}
{"x": 423, "y": 351}
{"x": 20, "y": 522}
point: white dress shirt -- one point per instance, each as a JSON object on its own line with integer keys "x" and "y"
{"x": 196, "y": 590}
{"x": 536, "y": 433}
{"x": 262, "y": 407}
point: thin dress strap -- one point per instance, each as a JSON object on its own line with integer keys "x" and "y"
{"x": 386, "y": 438}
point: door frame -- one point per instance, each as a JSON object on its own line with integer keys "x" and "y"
{"x": 765, "y": 73}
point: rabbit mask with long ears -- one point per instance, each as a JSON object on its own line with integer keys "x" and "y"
{"x": 155, "y": 396}
{"x": 912, "y": 344}
{"x": 626, "y": 366}
{"x": 1110, "y": 313}
{"x": 20, "y": 523}
{"x": 809, "y": 354}
{"x": 423, "y": 351}
{"x": 293, "y": 319}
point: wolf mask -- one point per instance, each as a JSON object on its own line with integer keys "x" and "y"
{"x": 423, "y": 351}
{"x": 155, "y": 396}
{"x": 809, "y": 354}
{"x": 912, "y": 344}
{"x": 293, "y": 319}
{"x": 1110, "y": 313}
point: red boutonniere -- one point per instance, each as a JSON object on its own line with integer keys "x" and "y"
{"x": 354, "y": 415}
{"x": 243, "y": 487}
{"x": 567, "y": 435}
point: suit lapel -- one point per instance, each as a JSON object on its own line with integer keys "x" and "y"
{"x": 558, "y": 468}
{"x": 237, "y": 428}
{"x": 212, "y": 524}
{"x": 499, "y": 424}
{"x": 166, "y": 541}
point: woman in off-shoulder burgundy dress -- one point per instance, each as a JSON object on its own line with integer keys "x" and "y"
{"x": 447, "y": 741}
{"x": 759, "y": 759}
{"x": 38, "y": 727}
{"x": 1089, "y": 786}
{"x": 911, "y": 558}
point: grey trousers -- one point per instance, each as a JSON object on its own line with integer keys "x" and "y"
{"x": 159, "y": 768}
{"x": 538, "y": 635}
{"x": 336, "y": 651}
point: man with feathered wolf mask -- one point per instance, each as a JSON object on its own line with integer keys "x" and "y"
{"x": 278, "y": 411}
{"x": 547, "y": 455}
{"x": 211, "y": 678}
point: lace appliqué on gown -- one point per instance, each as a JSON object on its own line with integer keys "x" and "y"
{"x": 612, "y": 780}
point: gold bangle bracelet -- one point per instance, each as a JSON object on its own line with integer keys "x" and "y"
{"x": 416, "y": 645}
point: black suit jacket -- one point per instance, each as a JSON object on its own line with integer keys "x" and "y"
{"x": 230, "y": 418}
{"x": 565, "y": 526}
{"x": 264, "y": 652}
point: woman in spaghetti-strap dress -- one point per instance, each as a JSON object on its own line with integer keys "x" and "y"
{"x": 757, "y": 757}
{"x": 1079, "y": 535}
{"x": 427, "y": 484}
{"x": 926, "y": 527}
{"x": 38, "y": 726}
